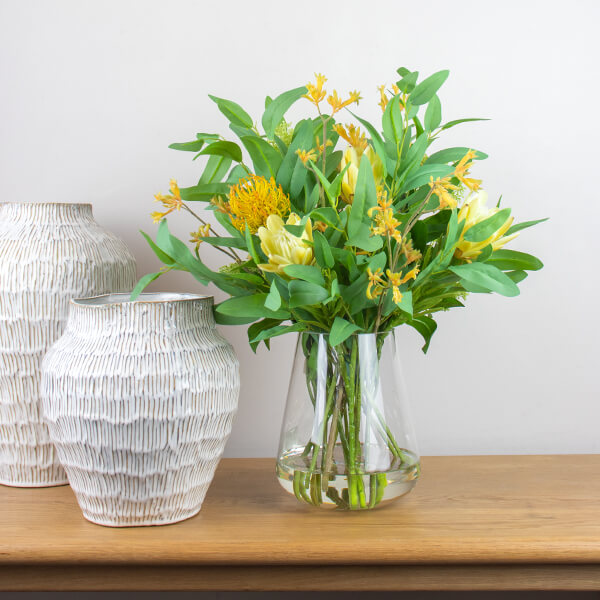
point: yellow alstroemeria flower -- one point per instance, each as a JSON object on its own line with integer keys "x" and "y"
{"x": 283, "y": 248}
{"x": 375, "y": 286}
{"x": 353, "y": 156}
{"x": 474, "y": 211}
{"x": 170, "y": 201}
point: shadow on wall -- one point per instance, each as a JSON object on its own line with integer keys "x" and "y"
{"x": 299, "y": 595}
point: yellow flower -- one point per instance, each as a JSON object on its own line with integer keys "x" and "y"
{"x": 337, "y": 103}
{"x": 474, "y": 211}
{"x": 283, "y": 248}
{"x": 375, "y": 287}
{"x": 353, "y": 135}
{"x": 410, "y": 253}
{"x": 383, "y": 98}
{"x": 170, "y": 201}
{"x": 352, "y": 156}
{"x": 397, "y": 279}
{"x": 442, "y": 189}
{"x": 462, "y": 170}
{"x": 253, "y": 200}
{"x": 316, "y": 93}
{"x": 196, "y": 236}
{"x": 385, "y": 222}
{"x": 305, "y": 155}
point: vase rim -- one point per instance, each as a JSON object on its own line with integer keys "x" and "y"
{"x": 355, "y": 334}
{"x": 120, "y": 299}
{"x": 14, "y": 203}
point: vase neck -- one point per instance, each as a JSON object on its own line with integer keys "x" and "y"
{"x": 116, "y": 313}
{"x": 45, "y": 212}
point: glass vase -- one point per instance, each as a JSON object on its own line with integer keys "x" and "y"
{"x": 346, "y": 440}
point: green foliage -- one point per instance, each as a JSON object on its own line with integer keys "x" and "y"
{"x": 373, "y": 247}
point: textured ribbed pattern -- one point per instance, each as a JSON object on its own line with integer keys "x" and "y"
{"x": 49, "y": 253}
{"x": 139, "y": 398}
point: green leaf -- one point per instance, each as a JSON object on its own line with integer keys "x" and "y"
{"x": 216, "y": 168}
{"x": 238, "y": 172}
{"x": 365, "y": 197}
{"x": 143, "y": 283}
{"x": 426, "y": 326}
{"x": 224, "y": 148}
{"x": 232, "y": 320}
{"x": 511, "y": 260}
{"x": 485, "y": 253}
{"x": 305, "y": 272}
{"x": 265, "y": 158}
{"x": 424, "y": 173}
{"x": 391, "y": 121}
{"x": 233, "y": 111}
{"x": 304, "y": 293}
{"x": 278, "y": 107}
{"x": 322, "y": 250}
{"x": 225, "y": 222}
{"x": 266, "y": 334}
{"x": 450, "y": 155}
{"x": 425, "y": 90}
{"x": 433, "y": 114}
{"x": 162, "y": 256}
{"x": 194, "y": 146}
{"x": 486, "y": 228}
{"x": 251, "y": 306}
{"x": 405, "y": 304}
{"x": 341, "y": 330}
{"x": 486, "y": 276}
{"x": 242, "y": 132}
{"x": 459, "y": 121}
{"x": 524, "y": 225}
{"x": 204, "y": 192}
{"x": 326, "y": 214}
{"x": 302, "y": 140}
{"x": 408, "y": 81}
{"x": 227, "y": 242}
{"x": 364, "y": 240}
{"x": 250, "y": 245}
{"x": 376, "y": 140}
{"x": 273, "y": 300}
{"x": 517, "y": 276}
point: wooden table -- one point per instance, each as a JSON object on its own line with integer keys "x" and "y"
{"x": 482, "y": 522}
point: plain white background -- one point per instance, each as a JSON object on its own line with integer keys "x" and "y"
{"x": 92, "y": 93}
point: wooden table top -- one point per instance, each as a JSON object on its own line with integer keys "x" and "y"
{"x": 465, "y": 511}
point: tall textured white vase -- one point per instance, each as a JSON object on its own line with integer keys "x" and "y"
{"x": 139, "y": 398}
{"x": 49, "y": 253}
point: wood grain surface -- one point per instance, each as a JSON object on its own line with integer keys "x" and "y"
{"x": 493, "y": 522}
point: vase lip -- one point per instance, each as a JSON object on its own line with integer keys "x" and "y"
{"x": 355, "y": 334}
{"x": 15, "y": 203}
{"x": 124, "y": 298}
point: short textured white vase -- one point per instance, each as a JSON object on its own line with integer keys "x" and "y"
{"x": 49, "y": 253}
{"x": 139, "y": 398}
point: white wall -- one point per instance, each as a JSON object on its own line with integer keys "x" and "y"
{"x": 91, "y": 94}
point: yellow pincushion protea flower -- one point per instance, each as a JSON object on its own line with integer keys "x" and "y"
{"x": 283, "y": 248}
{"x": 353, "y": 156}
{"x": 253, "y": 200}
{"x": 474, "y": 211}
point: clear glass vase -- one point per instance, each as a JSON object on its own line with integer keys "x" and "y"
{"x": 347, "y": 441}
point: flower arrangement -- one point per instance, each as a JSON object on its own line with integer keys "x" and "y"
{"x": 342, "y": 228}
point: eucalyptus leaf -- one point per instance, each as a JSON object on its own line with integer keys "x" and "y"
{"x": 276, "y": 109}
{"x": 233, "y": 111}
{"x": 425, "y": 90}
{"x": 486, "y": 276}
{"x": 341, "y": 330}
{"x": 304, "y": 293}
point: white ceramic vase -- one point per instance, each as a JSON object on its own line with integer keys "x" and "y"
{"x": 49, "y": 253}
{"x": 139, "y": 398}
